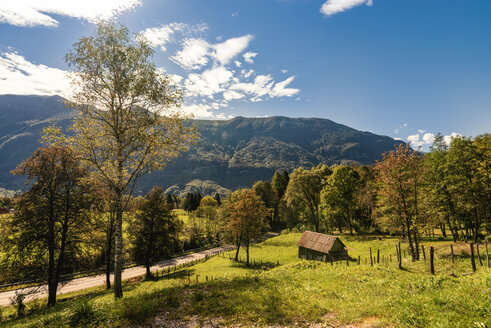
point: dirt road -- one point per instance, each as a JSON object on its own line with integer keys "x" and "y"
{"x": 100, "y": 279}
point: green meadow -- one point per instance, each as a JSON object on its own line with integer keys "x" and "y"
{"x": 294, "y": 293}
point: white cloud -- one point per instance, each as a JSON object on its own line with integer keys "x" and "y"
{"x": 208, "y": 83}
{"x": 284, "y": 71}
{"x": 247, "y": 73}
{"x": 264, "y": 85}
{"x": 248, "y": 57}
{"x": 414, "y": 140}
{"x": 398, "y": 139}
{"x": 428, "y": 138}
{"x": 448, "y": 139}
{"x": 194, "y": 54}
{"x": 421, "y": 131}
{"x": 32, "y": 13}
{"x": 232, "y": 95}
{"x": 203, "y": 111}
{"x": 238, "y": 63}
{"x": 226, "y": 51}
{"x": 280, "y": 90}
{"x": 19, "y": 76}
{"x": 332, "y": 7}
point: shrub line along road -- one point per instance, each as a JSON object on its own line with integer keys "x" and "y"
{"x": 100, "y": 279}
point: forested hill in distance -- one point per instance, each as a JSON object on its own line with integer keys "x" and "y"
{"x": 230, "y": 154}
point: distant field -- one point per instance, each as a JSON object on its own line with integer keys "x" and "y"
{"x": 182, "y": 215}
{"x": 297, "y": 292}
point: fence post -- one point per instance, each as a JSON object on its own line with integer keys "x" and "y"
{"x": 473, "y": 262}
{"x": 197, "y": 278}
{"x": 432, "y": 267}
{"x": 424, "y": 253}
{"x": 371, "y": 258}
{"x": 487, "y": 254}
{"x": 358, "y": 259}
{"x": 451, "y": 251}
{"x": 478, "y": 254}
{"x": 347, "y": 261}
{"x": 378, "y": 256}
{"x": 400, "y": 257}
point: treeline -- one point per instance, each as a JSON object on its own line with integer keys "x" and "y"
{"x": 408, "y": 193}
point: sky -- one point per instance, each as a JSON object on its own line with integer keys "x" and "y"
{"x": 407, "y": 69}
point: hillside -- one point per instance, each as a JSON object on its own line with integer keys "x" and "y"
{"x": 230, "y": 154}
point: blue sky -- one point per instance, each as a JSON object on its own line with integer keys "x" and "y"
{"x": 406, "y": 69}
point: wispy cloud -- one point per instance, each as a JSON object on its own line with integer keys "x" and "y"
{"x": 161, "y": 36}
{"x": 196, "y": 53}
{"x": 332, "y": 7}
{"x": 20, "y": 76}
{"x": 248, "y": 57}
{"x": 33, "y": 13}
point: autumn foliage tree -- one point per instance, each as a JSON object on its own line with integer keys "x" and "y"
{"x": 247, "y": 218}
{"x": 400, "y": 177}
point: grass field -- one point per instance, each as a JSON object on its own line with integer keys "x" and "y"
{"x": 295, "y": 293}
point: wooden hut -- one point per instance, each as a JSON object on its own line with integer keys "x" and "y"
{"x": 321, "y": 247}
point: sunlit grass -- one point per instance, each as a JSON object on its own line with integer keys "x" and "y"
{"x": 296, "y": 292}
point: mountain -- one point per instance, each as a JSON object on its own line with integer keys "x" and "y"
{"x": 229, "y": 154}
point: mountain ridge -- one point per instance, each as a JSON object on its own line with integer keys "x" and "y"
{"x": 230, "y": 153}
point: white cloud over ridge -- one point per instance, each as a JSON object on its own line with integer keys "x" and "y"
{"x": 332, "y": 7}
{"x": 30, "y": 13}
{"x": 427, "y": 139}
{"x": 19, "y": 76}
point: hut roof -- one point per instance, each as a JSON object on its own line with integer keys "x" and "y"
{"x": 317, "y": 241}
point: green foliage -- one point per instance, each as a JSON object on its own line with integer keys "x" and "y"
{"x": 303, "y": 193}
{"x": 338, "y": 197}
{"x": 155, "y": 230}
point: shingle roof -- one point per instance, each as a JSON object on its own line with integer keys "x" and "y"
{"x": 317, "y": 241}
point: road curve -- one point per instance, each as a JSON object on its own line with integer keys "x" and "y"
{"x": 100, "y": 279}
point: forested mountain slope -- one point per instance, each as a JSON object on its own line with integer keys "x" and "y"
{"x": 231, "y": 153}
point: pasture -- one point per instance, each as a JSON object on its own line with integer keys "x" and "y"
{"x": 294, "y": 293}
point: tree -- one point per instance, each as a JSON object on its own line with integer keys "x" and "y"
{"x": 303, "y": 191}
{"x": 338, "y": 196}
{"x": 156, "y": 230}
{"x": 278, "y": 185}
{"x": 50, "y": 217}
{"x": 218, "y": 198}
{"x": 400, "y": 176}
{"x": 207, "y": 211}
{"x": 247, "y": 218}
{"x": 192, "y": 201}
{"x": 129, "y": 121}
{"x": 268, "y": 196}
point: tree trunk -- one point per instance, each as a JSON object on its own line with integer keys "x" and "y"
{"x": 444, "y": 232}
{"x": 108, "y": 258}
{"x": 118, "y": 245}
{"x": 247, "y": 252}
{"x": 410, "y": 240}
{"x": 238, "y": 241}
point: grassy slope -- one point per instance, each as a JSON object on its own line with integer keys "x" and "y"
{"x": 296, "y": 292}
